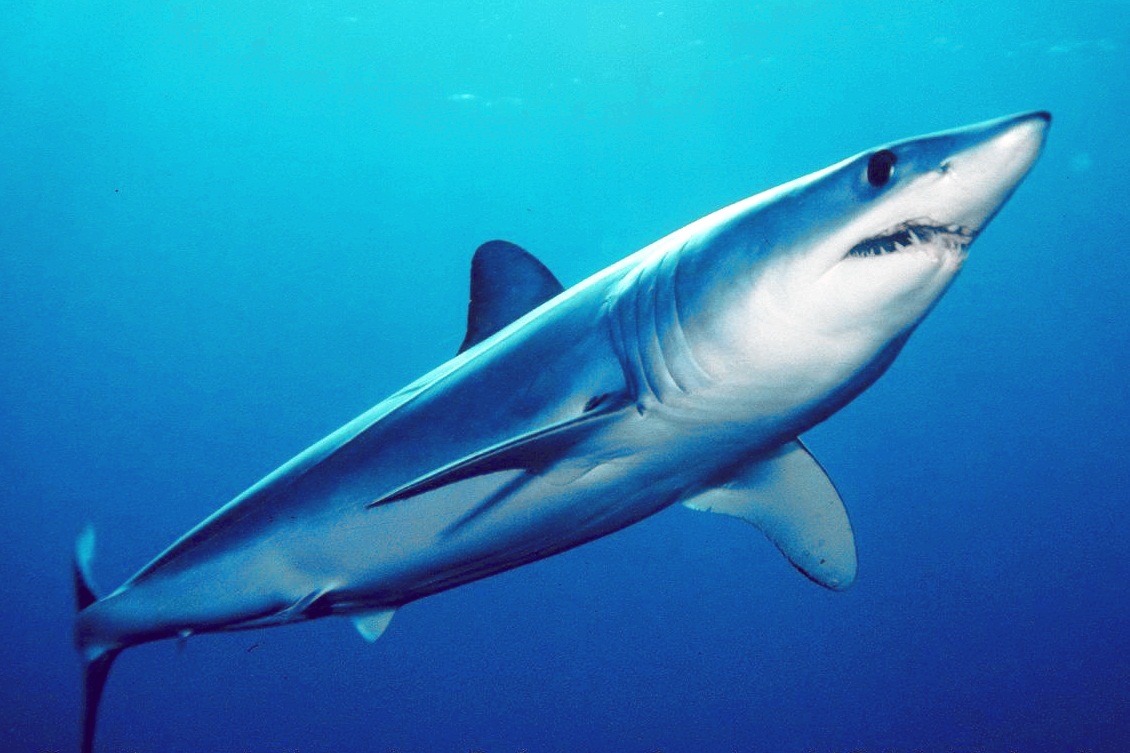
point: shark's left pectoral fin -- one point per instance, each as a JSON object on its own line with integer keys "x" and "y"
{"x": 372, "y": 624}
{"x": 791, "y": 499}
{"x": 529, "y": 451}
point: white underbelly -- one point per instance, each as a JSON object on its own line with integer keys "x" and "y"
{"x": 409, "y": 548}
{"x": 481, "y": 526}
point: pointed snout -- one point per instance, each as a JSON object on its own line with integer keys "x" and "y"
{"x": 1034, "y": 124}
{"x": 1041, "y": 118}
{"x": 989, "y": 160}
{"x": 1022, "y": 134}
{"x": 1007, "y": 147}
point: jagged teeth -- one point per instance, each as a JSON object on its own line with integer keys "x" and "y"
{"x": 916, "y": 234}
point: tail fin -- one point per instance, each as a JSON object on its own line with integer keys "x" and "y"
{"x": 94, "y": 674}
{"x": 84, "y": 585}
{"x": 95, "y": 662}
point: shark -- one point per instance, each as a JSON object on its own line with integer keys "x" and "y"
{"x": 683, "y": 374}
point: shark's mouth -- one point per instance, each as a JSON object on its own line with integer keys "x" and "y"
{"x": 916, "y": 234}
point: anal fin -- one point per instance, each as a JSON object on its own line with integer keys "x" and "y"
{"x": 372, "y": 624}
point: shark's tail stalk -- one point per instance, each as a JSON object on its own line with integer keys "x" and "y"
{"x": 95, "y": 662}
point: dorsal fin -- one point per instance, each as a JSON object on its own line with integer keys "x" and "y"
{"x": 507, "y": 282}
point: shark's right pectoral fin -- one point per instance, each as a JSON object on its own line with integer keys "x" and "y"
{"x": 791, "y": 499}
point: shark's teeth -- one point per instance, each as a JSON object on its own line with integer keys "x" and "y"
{"x": 910, "y": 235}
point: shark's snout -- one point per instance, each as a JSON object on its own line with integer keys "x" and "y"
{"x": 1021, "y": 140}
{"x": 986, "y": 170}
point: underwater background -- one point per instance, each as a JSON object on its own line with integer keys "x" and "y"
{"x": 226, "y": 228}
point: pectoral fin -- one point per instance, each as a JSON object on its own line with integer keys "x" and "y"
{"x": 790, "y": 498}
{"x": 530, "y": 451}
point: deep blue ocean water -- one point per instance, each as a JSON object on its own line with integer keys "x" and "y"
{"x": 228, "y": 228}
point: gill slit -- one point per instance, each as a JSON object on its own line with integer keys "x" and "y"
{"x": 648, "y": 334}
{"x": 677, "y": 352}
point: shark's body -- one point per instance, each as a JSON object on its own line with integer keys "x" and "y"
{"x": 684, "y": 373}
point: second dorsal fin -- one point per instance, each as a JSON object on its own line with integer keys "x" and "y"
{"x": 507, "y": 282}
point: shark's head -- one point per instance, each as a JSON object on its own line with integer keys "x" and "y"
{"x": 818, "y": 282}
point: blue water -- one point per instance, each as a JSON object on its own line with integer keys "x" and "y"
{"x": 227, "y": 228}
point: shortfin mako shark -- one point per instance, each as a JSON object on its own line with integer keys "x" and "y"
{"x": 684, "y": 373}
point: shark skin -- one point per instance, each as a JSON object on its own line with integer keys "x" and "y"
{"x": 684, "y": 373}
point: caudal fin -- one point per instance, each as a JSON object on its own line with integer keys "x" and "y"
{"x": 94, "y": 674}
{"x": 96, "y": 661}
{"x": 85, "y": 594}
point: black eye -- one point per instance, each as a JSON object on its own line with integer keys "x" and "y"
{"x": 880, "y": 167}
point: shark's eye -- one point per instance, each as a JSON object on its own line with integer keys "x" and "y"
{"x": 880, "y": 167}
